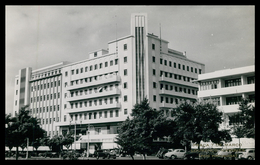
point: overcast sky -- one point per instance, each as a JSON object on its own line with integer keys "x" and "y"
{"x": 38, "y": 36}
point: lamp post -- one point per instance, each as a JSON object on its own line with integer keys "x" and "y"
{"x": 75, "y": 133}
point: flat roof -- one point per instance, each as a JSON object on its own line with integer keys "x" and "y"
{"x": 227, "y": 73}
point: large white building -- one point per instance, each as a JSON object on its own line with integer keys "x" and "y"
{"x": 99, "y": 92}
{"x": 226, "y": 88}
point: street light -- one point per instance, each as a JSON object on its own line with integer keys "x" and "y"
{"x": 75, "y": 133}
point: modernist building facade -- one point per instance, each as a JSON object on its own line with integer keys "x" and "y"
{"x": 226, "y": 88}
{"x": 96, "y": 94}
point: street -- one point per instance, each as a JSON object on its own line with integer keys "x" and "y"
{"x": 90, "y": 158}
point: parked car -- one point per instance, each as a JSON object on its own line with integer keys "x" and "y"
{"x": 160, "y": 154}
{"x": 248, "y": 154}
{"x": 51, "y": 154}
{"x": 226, "y": 155}
{"x": 191, "y": 155}
{"x": 175, "y": 154}
{"x": 105, "y": 153}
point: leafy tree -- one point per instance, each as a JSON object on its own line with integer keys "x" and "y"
{"x": 198, "y": 122}
{"x": 21, "y": 127}
{"x": 245, "y": 127}
{"x": 137, "y": 134}
{"x": 67, "y": 140}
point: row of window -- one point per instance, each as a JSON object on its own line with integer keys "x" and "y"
{"x": 95, "y": 78}
{"x": 174, "y": 64}
{"x": 176, "y": 88}
{"x": 92, "y": 67}
{"x": 46, "y": 85}
{"x": 176, "y": 76}
{"x": 45, "y": 97}
{"x": 95, "y": 102}
{"x": 49, "y": 120}
{"x": 168, "y": 99}
{"x": 49, "y": 73}
{"x": 42, "y": 109}
{"x": 94, "y": 115}
{"x": 99, "y": 89}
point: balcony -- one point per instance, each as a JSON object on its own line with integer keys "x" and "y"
{"x": 227, "y": 90}
{"x": 114, "y": 91}
{"x": 109, "y": 79}
{"x": 93, "y": 108}
{"x": 167, "y": 105}
{"x": 178, "y": 94}
{"x": 231, "y": 108}
{"x": 176, "y": 81}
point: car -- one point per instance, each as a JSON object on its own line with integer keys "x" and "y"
{"x": 248, "y": 154}
{"x": 105, "y": 153}
{"x": 191, "y": 155}
{"x": 175, "y": 154}
{"x": 160, "y": 154}
{"x": 226, "y": 155}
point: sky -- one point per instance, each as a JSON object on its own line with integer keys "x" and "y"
{"x": 38, "y": 36}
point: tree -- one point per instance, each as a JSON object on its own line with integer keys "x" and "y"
{"x": 137, "y": 134}
{"x": 245, "y": 126}
{"x": 67, "y": 140}
{"x": 21, "y": 127}
{"x": 198, "y": 122}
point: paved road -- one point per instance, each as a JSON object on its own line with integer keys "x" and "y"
{"x": 91, "y": 158}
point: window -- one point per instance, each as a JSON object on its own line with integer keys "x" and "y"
{"x": 195, "y": 70}
{"x": 125, "y": 72}
{"x": 154, "y": 72}
{"x": 77, "y": 71}
{"x": 81, "y": 70}
{"x": 170, "y": 64}
{"x": 174, "y": 64}
{"x": 161, "y": 99}
{"x": 86, "y": 69}
{"x": 161, "y": 60}
{"x": 97, "y": 131}
{"x": 95, "y": 54}
{"x": 179, "y": 66}
{"x": 117, "y": 113}
{"x": 199, "y": 71}
{"x": 125, "y": 59}
{"x": 165, "y": 62}
{"x": 188, "y": 69}
{"x": 95, "y": 67}
{"x": 116, "y": 61}
{"x": 105, "y": 114}
{"x": 251, "y": 80}
{"x": 153, "y": 59}
{"x": 154, "y": 84}
{"x": 89, "y": 116}
{"x": 111, "y": 63}
{"x": 191, "y": 69}
{"x": 66, "y": 74}
{"x": 106, "y": 64}
{"x": 90, "y": 68}
{"x": 183, "y": 67}
{"x": 153, "y": 46}
{"x": 125, "y": 85}
{"x": 125, "y": 111}
{"x": 233, "y": 82}
{"x": 125, "y": 46}
{"x": 154, "y": 97}
{"x": 125, "y": 98}
{"x": 111, "y": 113}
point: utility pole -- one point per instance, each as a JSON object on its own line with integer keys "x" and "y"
{"x": 75, "y": 137}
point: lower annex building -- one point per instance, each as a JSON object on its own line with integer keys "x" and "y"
{"x": 98, "y": 93}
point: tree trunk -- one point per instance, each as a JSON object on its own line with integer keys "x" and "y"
{"x": 144, "y": 158}
{"x": 199, "y": 146}
{"x": 132, "y": 156}
{"x": 16, "y": 156}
